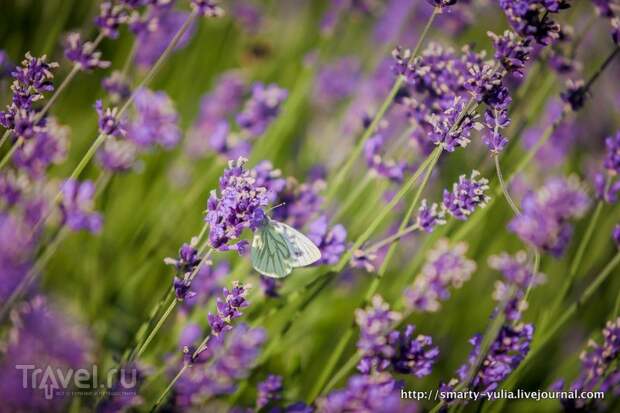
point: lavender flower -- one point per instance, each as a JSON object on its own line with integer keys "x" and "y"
{"x": 504, "y": 356}
{"x": 544, "y": 219}
{"x": 597, "y": 371}
{"x": 415, "y": 356}
{"x": 83, "y": 53}
{"x": 230, "y": 358}
{"x": 269, "y": 391}
{"x": 441, "y": 4}
{"x": 531, "y": 18}
{"x": 375, "y": 325}
{"x": 446, "y": 266}
{"x": 117, "y": 87}
{"x": 332, "y": 242}
{"x": 377, "y": 393}
{"x": 575, "y": 94}
{"x": 117, "y": 155}
{"x": 111, "y": 17}
{"x": 271, "y": 179}
{"x": 109, "y": 124}
{"x": 77, "y": 206}
{"x": 239, "y": 206}
{"x": 519, "y": 278}
{"x": 155, "y": 121}
{"x": 207, "y": 8}
{"x": 365, "y": 260}
{"x": 466, "y": 196}
{"x": 612, "y": 154}
{"x": 46, "y": 147}
{"x": 511, "y": 51}
{"x": 229, "y": 308}
{"x": 152, "y": 41}
{"x": 187, "y": 260}
{"x": 452, "y": 128}
{"x": 301, "y": 202}
{"x": 430, "y": 216}
{"x": 261, "y": 109}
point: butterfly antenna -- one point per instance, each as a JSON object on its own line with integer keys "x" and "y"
{"x": 276, "y": 206}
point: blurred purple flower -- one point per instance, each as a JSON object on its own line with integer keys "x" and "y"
{"x": 430, "y": 216}
{"x": 446, "y": 266}
{"x": 269, "y": 391}
{"x": 155, "y": 121}
{"x": 301, "y": 202}
{"x": 332, "y": 242}
{"x": 16, "y": 249}
{"x": 117, "y": 155}
{"x": 116, "y": 86}
{"x": 110, "y": 18}
{"x": 109, "y": 124}
{"x": 261, "y": 109}
{"x": 337, "y": 81}
{"x": 77, "y": 206}
{"x": 207, "y": 8}
{"x": 48, "y": 146}
{"x": 83, "y": 53}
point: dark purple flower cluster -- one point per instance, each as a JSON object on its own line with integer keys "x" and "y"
{"x": 519, "y": 278}
{"x": 466, "y": 195}
{"x": 531, "y": 18}
{"x": 607, "y": 185}
{"x": 511, "y": 51}
{"x": 83, "y": 54}
{"x": 383, "y": 348}
{"x": 77, "y": 206}
{"x": 239, "y": 205}
{"x": 229, "y": 308}
{"x": 37, "y": 325}
{"x": 544, "y": 219}
{"x": 575, "y": 94}
{"x": 332, "y": 242}
{"x": 31, "y": 80}
{"x": 155, "y": 121}
{"x": 377, "y": 393}
{"x": 109, "y": 123}
{"x": 207, "y": 8}
{"x": 261, "y": 109}
{"x": 110, "y": 18}
{"x": 230, "y": 358}
{"x": 441, "y": 4}
{"x": 269, "y": 391}
{"x": 598, "y": 371}
{"x": 503, "y": 357}
{"x": 446, "y": 267}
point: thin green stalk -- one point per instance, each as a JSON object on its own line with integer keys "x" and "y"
{"x": 163, "y": 394}
{"x": 359, "y": 147}
{"x": 11, "y": 151}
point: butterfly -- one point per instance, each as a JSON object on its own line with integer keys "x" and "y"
{"x": 278, "y": 248}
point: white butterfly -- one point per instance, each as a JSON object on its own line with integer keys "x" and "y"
{"x": 277, "y": 249}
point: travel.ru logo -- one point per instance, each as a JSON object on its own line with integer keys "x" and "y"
{"x": 54, "y": 381}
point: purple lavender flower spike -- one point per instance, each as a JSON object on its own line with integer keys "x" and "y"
{"x": 414, "y": 356}
{"x": 531, "y": 19}
{"x": 375, "y": 325}
{"x": 261, "y": 109}
{"x": 301, "y": 202}
{"x": 575, "y": 94}
{"x": 48, "y": 146}
{"x": 467, "y": 195}
{"x": 337, "y": 81}
{"x": 16, "y": 249}
{"x": 229, "y": 308}
{"x": 269, "y": 178}
{"x": 446, "y": 266}
{"x": 109, "y": 124}
{"x": 430, "y": 216}
{"x": 544, "y": 219}
{"x": 207, "y": 8}
{"x": 239, "y": 205}
{"x": 230, "y": 358}
{"x": 83, "y": 54}
{"x": 377, "y": 393}
{"x": 77, "y": 206}
{"x": 110, "y": 18}
{"x": 612, "y": 154}
{"x": 451, "y": 129}
{"x": 155, "y": 121}
{"x": 269, "y": 391}
{"x": 117, "y": 155}
{"x": 596, "y": 372}
{"x": 511, "y": 51}
{"x": 332, "y": 242}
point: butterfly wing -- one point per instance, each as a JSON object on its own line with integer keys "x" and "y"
{"x": 271, "y": 251}
{"x": 302, "y": 250}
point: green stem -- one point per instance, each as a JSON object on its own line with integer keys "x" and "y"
{"x": 163, "y": 394}
{"x": 359, "y": 147}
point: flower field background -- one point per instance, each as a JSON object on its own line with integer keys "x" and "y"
{"x": 455, "y": 162}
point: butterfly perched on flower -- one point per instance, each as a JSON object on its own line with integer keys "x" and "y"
{"x": 278, "y": 248}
